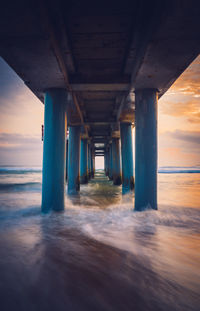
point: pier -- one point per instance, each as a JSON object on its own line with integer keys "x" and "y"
{"x": 100, "y": 68}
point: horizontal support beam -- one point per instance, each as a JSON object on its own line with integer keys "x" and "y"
{"x": 90, "y": 87}
{"x": 99, "y": 79}
{"x": 101, "y": 142}
{"x": 102, "y": 135}
{"x": 100, "y": 123}
{"x": 100, "y": 148}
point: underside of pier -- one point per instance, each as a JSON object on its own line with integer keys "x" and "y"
{"x": 114, "y": 60}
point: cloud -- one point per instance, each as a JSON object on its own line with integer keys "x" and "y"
{"x": 189, "y": 109}
{"x": 18, "y": 149}
{"x": 20, "y": 110}
{"x": 192, "y": 137}
{"x": 189, "y": 82}
{"x": 179, "y": 148}
{"x": 18, "y": 141}
{"x": 187, "y": 142}
{"x": 9, "y": 81}
{"x": 195, "y": 118}
{"x": 18, "y": 138}
{"x": 183, "y": 98}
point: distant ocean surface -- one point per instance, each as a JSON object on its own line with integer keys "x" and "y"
{"x": 181, "y": 184}
{"x": 99, "y": 254}
{"x": 179, "y": 169}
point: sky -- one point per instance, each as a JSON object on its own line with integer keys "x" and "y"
{"x": 22, "y": 114}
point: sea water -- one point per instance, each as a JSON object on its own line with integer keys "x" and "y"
{"x": 98, "y": 254}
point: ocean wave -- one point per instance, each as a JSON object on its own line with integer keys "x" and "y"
{"x": 19, "y": 170}
{"x": 13, "y": 187}
{"x": 175, "y": 171}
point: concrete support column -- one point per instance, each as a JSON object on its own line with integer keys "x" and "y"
{"x": 89, "y": 161}
{"x": 117, "y": 180}
{"x": 146, "y": 149}
{"x": 66, "y": 165}
{"x": 110, "y": 163}
{"x": 74, "y": 159}
{"x": 84, "y": 162}
{"x": 106, "y": 162}
{"x": 127, "y": 157}
{"x": 92, "y": 163}
{"x": 54, "y": 150}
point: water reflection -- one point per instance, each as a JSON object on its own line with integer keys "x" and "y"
{"x": 179, "y": 189}
{"x": 98, "y": 254}
{"x": 101, "y": 193}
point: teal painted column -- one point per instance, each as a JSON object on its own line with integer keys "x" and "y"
{"x": 108, "y": 166}
{"x": 66, "y": 165}
{"x": 146, "y": 149}
{"x": 107, "y": 162}
{"x": 54, "y": 150}
{"x": 89, "y": 161}
{"x": 117, "y": 180}
{"x": 110, "y": 163}
{"x": 92, "y": 163}
{"x": 74, "y": 160}
{"x": 84, "y": 162}
{"x": 127, "y": 157}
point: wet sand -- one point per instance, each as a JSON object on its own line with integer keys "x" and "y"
{"x": 97, "y": 254}
{"x": 73, "y": 272}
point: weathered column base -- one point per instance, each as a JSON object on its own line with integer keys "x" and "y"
{"x": 89, "y": 162}
{"x": 84, "y": 162}
{"x": 84, "y": 179}
{"x": 92, "y": 163}
{"x": 106, "y": 155}
{"x": 117, "y": 180}
{"x": 66, "y": 165}
{"x": 110, "y": 163}
{"x": 74, "y": 160}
